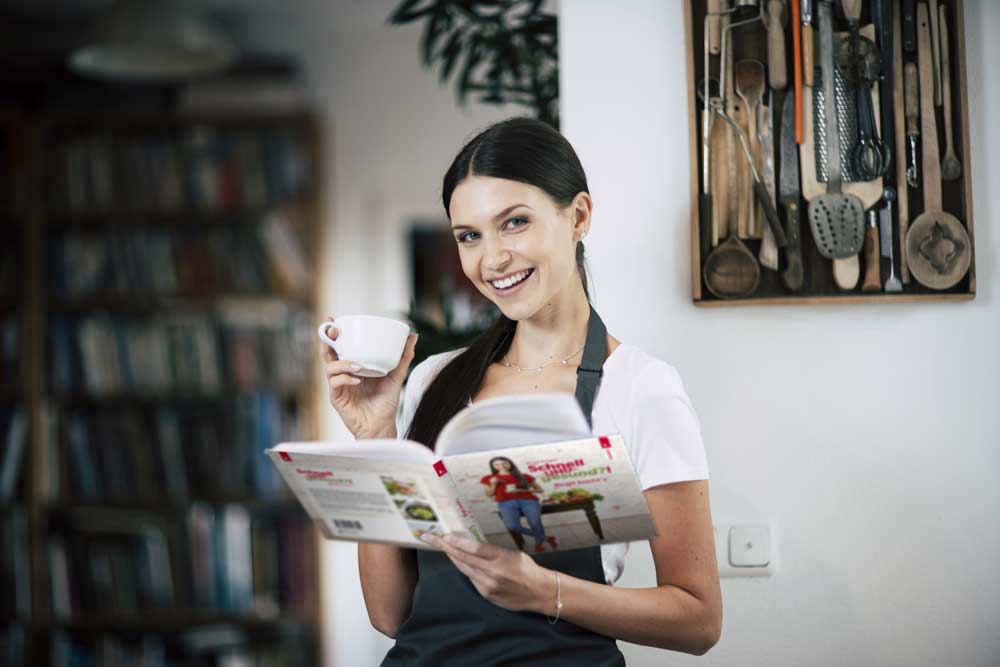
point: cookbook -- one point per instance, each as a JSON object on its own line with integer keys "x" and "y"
{"x": 522, "y": 471}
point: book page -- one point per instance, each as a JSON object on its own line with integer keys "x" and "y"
{"x": 579, "y": 492}
{"x": 511, "y": 421}
{"x": 361, "y": 499}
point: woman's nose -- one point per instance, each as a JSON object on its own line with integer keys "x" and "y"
{"x": 496, "y": 255}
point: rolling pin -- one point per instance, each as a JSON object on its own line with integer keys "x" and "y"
{"x": 777, "y": 74}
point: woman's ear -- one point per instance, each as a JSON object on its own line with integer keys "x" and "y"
{"x": 579, "y": 212}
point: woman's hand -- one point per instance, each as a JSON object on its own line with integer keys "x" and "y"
{"x": 367, "y": 405}
{"x": 507, "y": 578}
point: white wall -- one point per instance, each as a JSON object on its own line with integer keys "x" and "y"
{"x": 869, "y": 433}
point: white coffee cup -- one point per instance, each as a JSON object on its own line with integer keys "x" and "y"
{"x": 375, "y": 342}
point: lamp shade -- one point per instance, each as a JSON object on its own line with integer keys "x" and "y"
{"x": 153, "y": 40}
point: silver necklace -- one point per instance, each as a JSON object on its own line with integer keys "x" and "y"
{"x": 520, "y": 370}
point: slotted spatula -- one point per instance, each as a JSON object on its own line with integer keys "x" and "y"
{"x": 837, "y": 220}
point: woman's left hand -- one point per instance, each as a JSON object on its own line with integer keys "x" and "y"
{"x": 507, "y": 578}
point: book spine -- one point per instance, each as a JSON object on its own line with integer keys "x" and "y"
{"x": 12, "y": 455}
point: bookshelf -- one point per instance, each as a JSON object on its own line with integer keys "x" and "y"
{"x": 156, "y": 288}
{"x": 15, "y": 510}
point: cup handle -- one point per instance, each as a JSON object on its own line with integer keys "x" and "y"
{"x": 322, "y": 334}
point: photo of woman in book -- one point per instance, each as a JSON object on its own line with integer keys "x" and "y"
{"x": 519, "y": 206}
{"x": 513, "y": 492}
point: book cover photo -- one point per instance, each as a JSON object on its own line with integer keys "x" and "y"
{"x": 561, "y": 496}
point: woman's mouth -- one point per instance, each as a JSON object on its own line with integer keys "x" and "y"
{"x": 511, "y": 284}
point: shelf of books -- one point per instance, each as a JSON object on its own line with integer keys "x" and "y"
{"x": 15, "y": 533}
{"x": 168, "y": 272}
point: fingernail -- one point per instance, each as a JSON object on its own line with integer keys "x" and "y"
{"x": 355, "y": 367}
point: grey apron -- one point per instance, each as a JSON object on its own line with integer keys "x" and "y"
{"x": 452, "y": 624}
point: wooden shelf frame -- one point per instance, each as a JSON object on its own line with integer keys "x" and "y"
{"x": 914, "y": 292}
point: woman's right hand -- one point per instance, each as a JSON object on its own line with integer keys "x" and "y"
{"x": 366, "y": 405}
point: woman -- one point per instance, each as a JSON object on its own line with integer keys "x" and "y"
{"x": 519, "y": 206}
{"x": 513, "y": 493}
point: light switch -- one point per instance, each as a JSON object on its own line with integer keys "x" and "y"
{"x": 749, "y": 546}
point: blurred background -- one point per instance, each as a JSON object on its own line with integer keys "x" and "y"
{"x": 187, "y": 187}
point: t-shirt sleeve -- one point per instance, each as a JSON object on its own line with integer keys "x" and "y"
{"x": 664, "y": 434}
{"x": 420, "y": 377}
{"x": 412, "y": 391}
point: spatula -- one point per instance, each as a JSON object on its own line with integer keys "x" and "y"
{"x": 836, "y": 219}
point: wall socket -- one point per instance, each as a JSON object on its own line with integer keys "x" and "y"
{"x": 746, "y": 548}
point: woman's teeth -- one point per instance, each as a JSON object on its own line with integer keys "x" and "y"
{"x": 511, "y": 281}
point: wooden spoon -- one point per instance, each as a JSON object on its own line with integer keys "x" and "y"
{"x": 750, "y": 85}
{"x": 934, "y": 221}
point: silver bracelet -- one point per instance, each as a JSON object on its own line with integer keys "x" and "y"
{"x": 559, "y": 603}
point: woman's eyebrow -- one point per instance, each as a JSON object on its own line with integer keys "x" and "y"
{"x": 496, "y": 217}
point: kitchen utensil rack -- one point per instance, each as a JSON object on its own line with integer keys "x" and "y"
{"x": 750, "y": 41}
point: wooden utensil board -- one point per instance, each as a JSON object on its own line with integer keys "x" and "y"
{"x": 751, "y": 42}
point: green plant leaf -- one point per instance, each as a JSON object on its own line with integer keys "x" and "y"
{"x": 440, "y": 23}
{"x": 407, "y": 12}
{"x": 471, "y": 60}
{"x": 510, "y": 50}
{"x": 452, "y": 50}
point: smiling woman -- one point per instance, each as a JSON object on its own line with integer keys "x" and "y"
{"x": 518, "y": 201}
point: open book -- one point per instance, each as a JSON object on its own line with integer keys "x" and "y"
{"x": 513, "y": 470}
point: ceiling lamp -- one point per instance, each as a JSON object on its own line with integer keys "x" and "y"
{"x": 153, "y": 40}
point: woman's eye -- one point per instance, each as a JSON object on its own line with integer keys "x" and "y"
{"x": 463, "y": 237}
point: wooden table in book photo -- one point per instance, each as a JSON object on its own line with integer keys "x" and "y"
{"x": 554, "y": 508}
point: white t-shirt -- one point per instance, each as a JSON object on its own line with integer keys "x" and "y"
{"x": 640, "y": 397}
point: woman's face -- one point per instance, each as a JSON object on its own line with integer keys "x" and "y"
{"x": 504, "y": 228}
{"x": 501, "y": 466}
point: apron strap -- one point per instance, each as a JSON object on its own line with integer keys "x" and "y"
{"x": 588, "y": 375}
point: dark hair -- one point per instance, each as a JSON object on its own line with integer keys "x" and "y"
{"x": 517, "y": 149}
{"x": 521, "y": 481}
